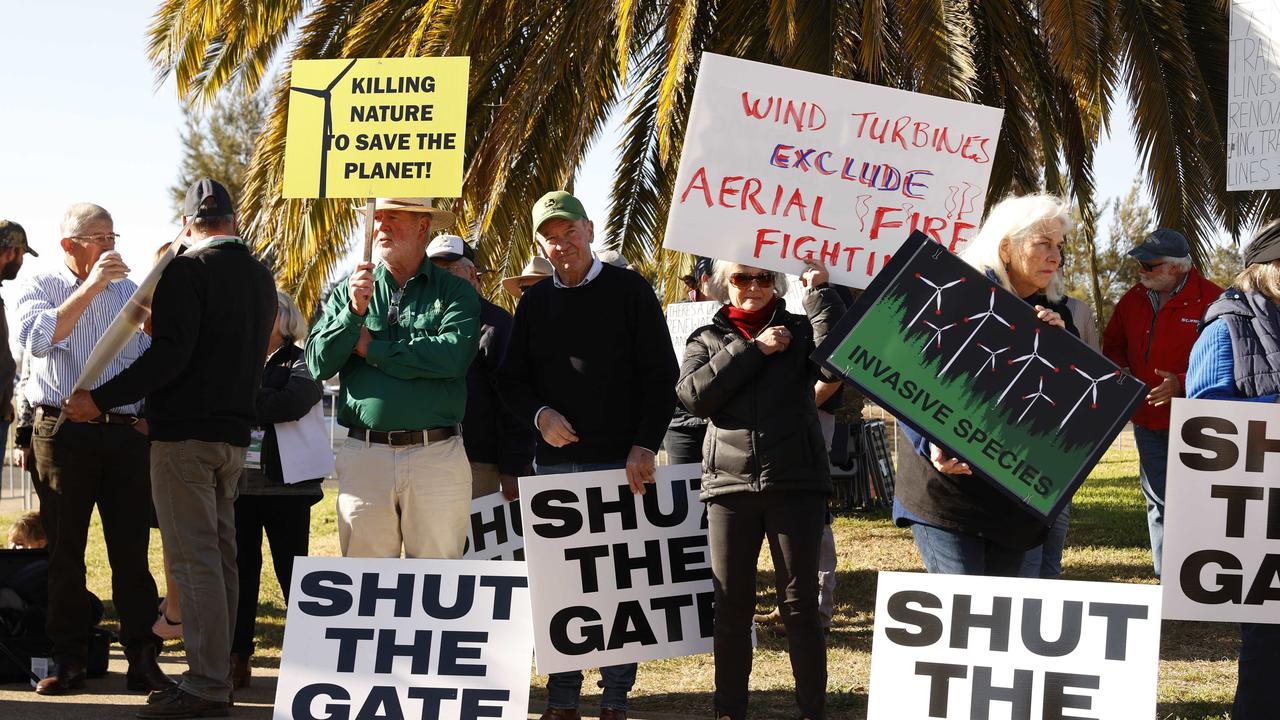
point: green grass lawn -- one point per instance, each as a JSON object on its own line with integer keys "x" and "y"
{"x": 1107, "y": 542}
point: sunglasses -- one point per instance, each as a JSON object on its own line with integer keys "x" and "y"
{"x": 743, "y": 281}
{"x": 1149, "y": 267}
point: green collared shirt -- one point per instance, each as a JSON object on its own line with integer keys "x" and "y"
{"x": 414, "y": 375}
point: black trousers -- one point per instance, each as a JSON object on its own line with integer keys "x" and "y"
{"x": 684, "y": 444}
{"x": 792, "y": 523}
{"x": 82, "y": 466}
{"x": 287, "y": 522}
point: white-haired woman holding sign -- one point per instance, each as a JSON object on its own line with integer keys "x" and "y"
{"x": 961, "y": 524}
{"x": 764, "y": 467}
{"x": 1237, "y": 357}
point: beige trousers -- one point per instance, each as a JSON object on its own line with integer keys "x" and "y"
{"x": 418, "y": 497}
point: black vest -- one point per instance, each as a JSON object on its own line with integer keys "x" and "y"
{"x": 1254, "y": 324}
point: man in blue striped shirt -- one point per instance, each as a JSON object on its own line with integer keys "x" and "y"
{"x": 62, "y": 312}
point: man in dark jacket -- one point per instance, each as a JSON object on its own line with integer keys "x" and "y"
{"x": 590, "y": 365}
{"x": 499, "y": 446}
{"x": 213, "y": 312}
{"x": 1150, "y": 335}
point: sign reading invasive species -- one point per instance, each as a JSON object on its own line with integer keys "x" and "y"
{"x": 1222, "y": 512}
{"x": 966, "y": 647}
{"x": 1030, "y": 407}
{"x": 405, "y": 638}
{"x": 779, "y": 165}
{"x": 1253, "y": 96}
{"x": 616, "y": 577}
{"x": 494, "y": 532}
{"x": 376, "y": 127}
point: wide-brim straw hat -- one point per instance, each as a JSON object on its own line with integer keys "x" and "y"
{"x": 440, "y": 219}
{"x": 538, "y": 268}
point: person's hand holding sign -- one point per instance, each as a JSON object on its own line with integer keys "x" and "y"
{"x": 640, "y": 467}
{"x": 1166, "y": 391}
{"x": 80, "y": 407}
{"x": 1049, "y": 317}
{"x": 948, "y": 465}
{"x": 815, "y": 274}
{"x": 360, "y": 285}
{"x": 556, "y": 430}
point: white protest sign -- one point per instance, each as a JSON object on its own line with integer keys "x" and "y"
{"x": 1222, "y": 512}
{"x": 493, "y": 532}
{"x": 779, "y": 165}
{"x": 405, "y": 638}
{"x": 1253, "y": 96}
{"x": 962, "y": 647}
{"x": 616, "y": 577}
{"x": 683, "y": 318}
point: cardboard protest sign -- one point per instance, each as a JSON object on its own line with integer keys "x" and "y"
{"x": 494, "y": 531}
{"x": 616, "y": 577}
{"x": 964, "y": 647}
{"x": 1222, "y": 512}
{"x": 1253, "y": 96}
{"x": 405, "y": 638}
{"x": 1029, "y": 406}
{"x": 376, "y": 127}
{"x": 683, "y": 318}
{"x": 779, "y": 165}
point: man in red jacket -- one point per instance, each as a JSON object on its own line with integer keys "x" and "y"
{"x": 1150, "y": 335}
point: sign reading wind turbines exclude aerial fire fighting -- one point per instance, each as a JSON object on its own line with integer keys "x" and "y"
{"x": 1030, "y": 407}
{"x": 779, "y": 165}
{"x": 376, "y": 127}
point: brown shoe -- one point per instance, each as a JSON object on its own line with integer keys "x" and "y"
{"x": 560, "y": 714}
{"x": 67, "y": 676}
{"x": 612, "y": 714}
{"x": 182, "y": 704}
{"x": 144, "y": 673}
{"x": 241, "y": 672}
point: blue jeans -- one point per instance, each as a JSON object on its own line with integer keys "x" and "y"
{"x": 565, "y": 688}
{"x": 1153, "y": 459}
{"x": 952, "y": 553}
{"x": 1257, "y": 693}
{"x": 1045, "y": 561}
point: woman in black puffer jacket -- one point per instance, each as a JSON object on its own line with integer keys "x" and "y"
{"x": 764, "y": 470}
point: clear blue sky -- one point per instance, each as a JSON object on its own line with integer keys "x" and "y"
{"x": 84, "y": 121}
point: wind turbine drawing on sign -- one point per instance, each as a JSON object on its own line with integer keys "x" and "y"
{"x": 985, "y": 316}
{"x": 937, "y": 335}
{"x": 1091, "y": 390}
{"x": 1033, "y": 397}
{"x": 327, "y": 137}
{"x": 1026, "y": 361}
{"x": 991, "y": 360}
{"x": 935, "y": 299}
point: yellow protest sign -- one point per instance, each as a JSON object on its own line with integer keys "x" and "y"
{"x": 376, "y": 127}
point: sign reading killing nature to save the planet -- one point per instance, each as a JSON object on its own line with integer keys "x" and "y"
{"x": 779, "y": 165}
{"x": 1030, "y": 407}
{"x": 376, "y": 127}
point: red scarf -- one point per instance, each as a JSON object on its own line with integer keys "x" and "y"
{"x": 750, "y": 322}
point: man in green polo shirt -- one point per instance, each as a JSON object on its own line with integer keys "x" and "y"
{"x": 400, "y": 336}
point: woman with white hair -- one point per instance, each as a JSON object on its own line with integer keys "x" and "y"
{"x": 266, "y": 502}
{"x": 765, "y": 472}
{"x": 962, "y": 525}
{"x": 1237, "y": 357}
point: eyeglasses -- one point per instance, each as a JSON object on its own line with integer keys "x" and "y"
{"x": 102, "y": 239}
{"x": 743, "y": 281}
{"x": 1149, "y": 267}
{"x": 393, "y": 309}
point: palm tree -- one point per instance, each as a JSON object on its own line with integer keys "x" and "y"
{"x": 545, "y": 75}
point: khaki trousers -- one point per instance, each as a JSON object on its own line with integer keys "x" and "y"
{"x": 418, "y": 497}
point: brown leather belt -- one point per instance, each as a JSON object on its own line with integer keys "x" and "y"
{"x": 402, "y": 438}
{"x": 103, "y": 419}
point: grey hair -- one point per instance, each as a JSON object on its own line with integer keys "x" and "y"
{"x": 81, "y": 214}
{"x": 1182, "y": 264}
{"x": 1262, "y": 278}
{"x": 293, "y": 326}
{"x": 1016, "y": 219}
{"x": 214, "y": 225}
{"x": 718, "y": 285}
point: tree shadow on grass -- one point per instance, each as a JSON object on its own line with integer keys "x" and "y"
{"x": 1194, "y": 641}
{"x": 1194, "y": 711}
{"x": 841, "y": 704}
